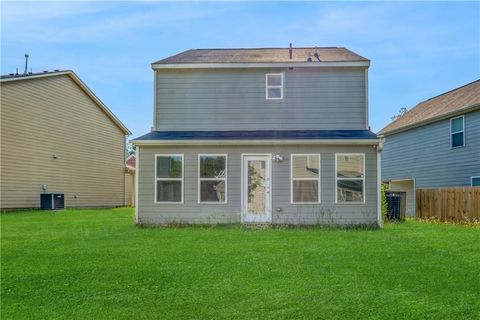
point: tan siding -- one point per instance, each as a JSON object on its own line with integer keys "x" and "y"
{"x": 130, "y": 189}
{"x": 53, "y": 115}
{"x": 407, "y": 187}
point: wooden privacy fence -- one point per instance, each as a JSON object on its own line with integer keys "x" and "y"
{"x": 449, "y": 204}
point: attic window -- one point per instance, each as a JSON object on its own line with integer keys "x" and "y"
{"x": 274, "y": 86}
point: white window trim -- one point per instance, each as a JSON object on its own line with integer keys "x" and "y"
{"x": 305, "y": 179}
{"x": 471, "y": 180}
{"x": 212, "y": 179}
{"x": 460, "y": 131}
{"x": 336, "y": 179}
{"x": 271, "y": 86}
{"x": 169, "y": 179}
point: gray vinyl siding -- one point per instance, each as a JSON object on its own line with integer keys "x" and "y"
{"x": 425, "y": 154}
{"x": 53, "y": 115}
{"x": 227, "y": 99}
{"x": 327, "y": 212}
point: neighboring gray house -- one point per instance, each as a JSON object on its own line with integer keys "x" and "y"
{"x": 275, "y": 136}
{"x": 436, "y": 144}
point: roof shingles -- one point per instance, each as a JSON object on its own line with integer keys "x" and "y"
{"x": 458, "y": 99}
{"x": 262, "y": 55}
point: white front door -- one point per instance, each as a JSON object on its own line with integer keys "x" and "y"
{"x": 256, "y": 193}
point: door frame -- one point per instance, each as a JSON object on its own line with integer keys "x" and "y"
{"x": 268, "y": 205}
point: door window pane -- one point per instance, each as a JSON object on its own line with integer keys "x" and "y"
{"x": 256, "y": 187}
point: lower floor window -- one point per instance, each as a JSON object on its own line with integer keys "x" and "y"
{"x": 169, "y": 178}
{"x": 350, "y": 177}
{"x": 212, "y": 181}
{"x": 305, "y": 173}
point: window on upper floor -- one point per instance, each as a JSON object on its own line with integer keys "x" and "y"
{"x": 274, "y": 86}
{"x": 457, "y": 132}
{"x": 475, "y": 181}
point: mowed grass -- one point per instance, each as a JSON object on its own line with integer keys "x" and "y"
{"x": 94, "y": 264}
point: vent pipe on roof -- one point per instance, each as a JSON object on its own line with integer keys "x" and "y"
{"x": 316, "y": 54}
{"x": 290, "y": 51}
{"x": 26, "y": 64}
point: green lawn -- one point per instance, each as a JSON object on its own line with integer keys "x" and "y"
{"x": 85, "y": 264}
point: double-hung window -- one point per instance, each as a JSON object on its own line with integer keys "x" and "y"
{"x": 350, "y": 177}
{"x": 274, "y": 86}
{"x": 305, "y": 173}
{"x": 169, "y": 178}
{"x": 457, "y": 132}
{"x": 212, "y": 178}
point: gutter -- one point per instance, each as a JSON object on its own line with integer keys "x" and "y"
{"x": 255, "y": 142}
{"x": 324, "y": 64}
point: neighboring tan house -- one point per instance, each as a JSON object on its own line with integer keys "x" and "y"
{"x": 57, "y": 136}
{"x": 130, "y": 165}
{"x": 436, "y": 144}
{"x": 275, "y": 136}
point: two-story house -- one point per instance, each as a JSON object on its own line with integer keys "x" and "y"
{"x": 57, "y": 136}
{"x": 434, "y": 145}
{"x": 275, "y": 136}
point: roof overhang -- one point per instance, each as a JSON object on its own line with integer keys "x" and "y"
{"x": 321, "y": 64}
{"x": 441, "y": 117}
{"x": 83, "y": 86}
{"x": 256, "y": 142}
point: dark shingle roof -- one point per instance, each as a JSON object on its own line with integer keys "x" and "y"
{"x": 434, "y": 108}
{"x": 259, "y": 135}
{"x": 262, "y": 55}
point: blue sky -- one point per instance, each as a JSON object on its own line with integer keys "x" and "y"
{"x": 418, "y": 49}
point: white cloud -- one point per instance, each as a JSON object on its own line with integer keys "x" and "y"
{"x": 72, "y": 22}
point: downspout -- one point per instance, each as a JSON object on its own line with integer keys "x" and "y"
{"x": 124, "y": 157}
{"x": 154, "y": 125}
{"x": 379, "y": 184}
{"x": 137, "y": 173}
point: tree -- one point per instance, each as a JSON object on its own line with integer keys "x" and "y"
{"x": 131, "y": 149}
{"x": 400, "y": 114}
